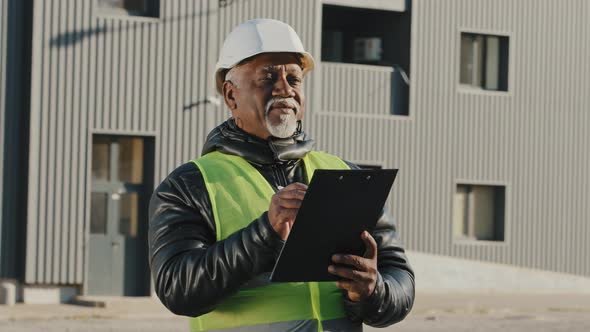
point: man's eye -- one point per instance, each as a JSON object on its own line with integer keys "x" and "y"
{"x": 294, "y": 80}
{"x": 269, "y": 76}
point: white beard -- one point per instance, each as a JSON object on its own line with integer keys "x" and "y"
{"x": 286, "y": 128}
{"x": 288, "y": 122}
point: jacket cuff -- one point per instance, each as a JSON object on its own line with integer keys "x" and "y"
{"x": 271, "y": 239}
{"x": 369, "y": 307}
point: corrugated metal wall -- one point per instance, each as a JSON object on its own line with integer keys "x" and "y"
{"x": 534, "y": 139}
{"x": 95, "y": 74}
{"x": 131, "y": 76}
{"x": 367, "y": 90}
{"x": 100, "y": 74}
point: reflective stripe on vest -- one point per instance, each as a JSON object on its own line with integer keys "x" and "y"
{"x": 239, "y": 194}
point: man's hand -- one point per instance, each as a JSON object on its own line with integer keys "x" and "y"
{"x": 359, "y": 273}
{"x": 284, "y": 206}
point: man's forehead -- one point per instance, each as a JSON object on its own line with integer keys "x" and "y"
{"x": 291, "y": 67}
{"x": 277, "y": 61}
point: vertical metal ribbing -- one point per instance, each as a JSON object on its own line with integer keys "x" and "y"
{"x": 136, "y": 77}
{"x": 66, "y": 163}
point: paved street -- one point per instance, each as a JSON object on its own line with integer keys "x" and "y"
{"x": 570, "y": 322}
{"x": 433, "y": 312}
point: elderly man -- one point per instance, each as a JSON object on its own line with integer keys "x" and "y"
{"x": 218, "y": 223}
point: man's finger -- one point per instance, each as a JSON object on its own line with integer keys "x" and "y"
{"x": 291, "y": 194}
{"x": 287, "y": 214}
{"x": 348, "y": 273}
{"x": 289, "y": 203}
{"x": 370, "y": 245}
{"x": 356, "y": 261}
{"x": 295, "y": 186}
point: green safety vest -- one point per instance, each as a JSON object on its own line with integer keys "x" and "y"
{"x": 240, "y": 194}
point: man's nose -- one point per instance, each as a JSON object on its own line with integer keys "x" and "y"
{"x": 282, "y": 88}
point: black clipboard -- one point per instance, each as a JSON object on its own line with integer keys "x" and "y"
{"x": 338, "y": 206}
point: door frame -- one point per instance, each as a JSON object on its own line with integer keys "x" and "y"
{"x": 150, "y": 151}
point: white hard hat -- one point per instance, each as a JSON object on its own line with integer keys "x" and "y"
{"x": 255, "y": 37}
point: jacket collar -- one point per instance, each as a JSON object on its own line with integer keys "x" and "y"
{"x": 228, "y": 138}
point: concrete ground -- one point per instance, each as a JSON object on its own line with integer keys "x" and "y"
{"x": 432, "y": 312}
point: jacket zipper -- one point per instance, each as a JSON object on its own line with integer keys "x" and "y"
{"x": 277, "y": 170}
{"x": 279, "y": 175}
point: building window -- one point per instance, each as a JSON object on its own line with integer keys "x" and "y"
{"x": 478, "y": 212}
{"x": 366, "y": 36}
{"x": 375, "y": 37}
{"x": 484, "y": 61}
{"x": 146, "y": 8}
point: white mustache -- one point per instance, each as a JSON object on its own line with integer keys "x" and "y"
{"x": 290, "y": 102}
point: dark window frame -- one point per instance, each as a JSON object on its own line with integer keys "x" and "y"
{"x": 499, "y": 218}
{"x": 503, "y": 65}
{"x": 151, "y": 10}
{"x": 341, "y": 29}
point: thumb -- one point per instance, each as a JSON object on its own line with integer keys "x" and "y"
{"x": 370, "y": 245}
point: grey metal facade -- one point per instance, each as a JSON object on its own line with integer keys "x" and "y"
{"x": 533, "y": 139}
{"x": 152, "y": 77}
{"x": 130, "y": 76}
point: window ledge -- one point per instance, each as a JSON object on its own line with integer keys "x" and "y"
{"x": 366, "y": 116}
{"x": 469, "y": 89}
{"x": 390, "y": 5}
{"x": 473, "y": 242}
{"x": 127, "y": 17}
{"x": 359, "y": 66}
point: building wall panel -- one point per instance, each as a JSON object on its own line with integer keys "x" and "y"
{"x": 154, "y": 77}
{"x": 527, "y": 139}
{"x": 120, "y": 75}
{"x": 105, "y": 74}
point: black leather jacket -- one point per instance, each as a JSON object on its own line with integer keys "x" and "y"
{"x": 193, "y": 272}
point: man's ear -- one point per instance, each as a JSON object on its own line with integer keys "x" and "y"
{"x": 229, "y": 91}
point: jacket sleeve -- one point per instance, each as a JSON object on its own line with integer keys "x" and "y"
{"x": 192, "y": 271}
{"x": 394, "y": 293}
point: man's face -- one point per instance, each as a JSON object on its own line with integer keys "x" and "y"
{"x": 265, "y": 95}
